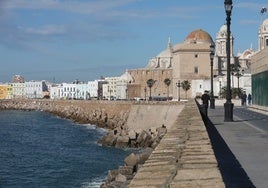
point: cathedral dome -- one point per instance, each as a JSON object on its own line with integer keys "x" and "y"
{"x": 126, "y": 77}
{"x": 265, "y": 22}
{"x": 223, "y": 29}
{"x": 198, "y": 36}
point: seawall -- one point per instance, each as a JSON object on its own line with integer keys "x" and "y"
{"x": 183, "y": 158}
{"x": 100, "y": 113}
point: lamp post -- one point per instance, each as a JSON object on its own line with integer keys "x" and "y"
{"x": 228, "y": 105}
{"x": 211, "y": 55}
{"x": 178, "y": 84}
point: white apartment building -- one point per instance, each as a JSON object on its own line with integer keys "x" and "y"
{"x": 69, "y": 91}
{"x": 93, "y": 89}
{"x": 18, "y": 90}
{"x": 82, "y": 91}
{"x": 54, "y": 91}
{"x": 35, "y": 89}
{"x": 109, "y": 89}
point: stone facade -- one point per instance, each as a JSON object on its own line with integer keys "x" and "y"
{"x": 186, "y": 61}
{"x": 260, "y": 68}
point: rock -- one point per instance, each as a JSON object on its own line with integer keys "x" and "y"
{"x": 120, "y": 178}
{"x": 132, "y": 134}
{"x": 122, "y": 142}
{"x": 144, "y": 139}
{"x": 126, "y": 170}
{"x": 131, "y": 160}
{"x": 109, "y": 139}
{"x": 112, "y": 175}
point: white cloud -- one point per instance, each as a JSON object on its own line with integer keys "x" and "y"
{"x": 47, "y": 30}
{"x": 88, "y": 7}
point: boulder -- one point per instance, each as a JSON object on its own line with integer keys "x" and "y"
{"x": 122, "y": 142}
{"x": 112, "y": 175}
{"x": 120, "y": 178}
{"x": 132, "y": 134}
{"x": 144, "y": 139}
{"x": 131, "y": 160}
{"x": 109, "y": 139}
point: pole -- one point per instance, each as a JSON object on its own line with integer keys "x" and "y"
{"x": 228, "y": 106}
{"x": 212, "y": 99}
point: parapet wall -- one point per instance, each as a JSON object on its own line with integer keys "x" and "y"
{"x": 183, "y": 158}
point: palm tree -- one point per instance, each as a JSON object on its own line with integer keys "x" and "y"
{"x": 186, "y": 85}
{"x": 167, "y": 82}
{"x": 150, "y": 84}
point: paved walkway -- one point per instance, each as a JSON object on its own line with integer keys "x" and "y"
{"x": 241, "y": 147}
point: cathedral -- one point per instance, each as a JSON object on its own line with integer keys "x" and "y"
{"x": 187, "y": 61}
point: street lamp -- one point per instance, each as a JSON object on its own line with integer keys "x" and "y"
{"x": 228, "y": 106}
{"x": 211, "y": 55}
{"x": 178, "y": 84}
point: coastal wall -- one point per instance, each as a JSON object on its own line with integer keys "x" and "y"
{"x": 101, "y": 113}
{"x": 131, "y": 123}
{"x": 182, "y": 157}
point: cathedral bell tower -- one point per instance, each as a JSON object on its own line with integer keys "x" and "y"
{"x": 220, "y": 61}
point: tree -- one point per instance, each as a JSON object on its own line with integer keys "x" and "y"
{"x": 186, "y": 85}
{"x": 167, "y": 82}
{"x": 150, "y": 84}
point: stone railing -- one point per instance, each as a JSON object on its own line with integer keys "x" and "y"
{"x": 183, "y": 158}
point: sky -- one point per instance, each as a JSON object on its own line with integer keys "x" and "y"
{"x": 64, "y": 40}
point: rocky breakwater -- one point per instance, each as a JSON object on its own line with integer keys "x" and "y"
{"x": 129, "y": 124}
{"x": 103, "y": 114}
{"x": 111, "y": 115}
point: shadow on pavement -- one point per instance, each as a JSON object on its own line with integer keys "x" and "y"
{"x": 234, "y": 176}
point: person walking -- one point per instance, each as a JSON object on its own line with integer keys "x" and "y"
{"x": 244, "y": 99}
{"x": 205, "y": 98}
{"x": 249, "y": 99}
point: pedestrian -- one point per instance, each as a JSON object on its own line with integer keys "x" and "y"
{"x": 244, "y": 99}
{"x": 205, "y": 98}
{"x": 249, "y": 99}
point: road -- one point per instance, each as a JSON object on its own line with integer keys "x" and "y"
{"x": 241, "y": 146}
{"x": 256, "y": 120}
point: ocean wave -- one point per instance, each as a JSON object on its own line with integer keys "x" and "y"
{"x": 94, "y": 183}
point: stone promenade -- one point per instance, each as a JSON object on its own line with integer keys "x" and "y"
{"x": 184, "y": 158}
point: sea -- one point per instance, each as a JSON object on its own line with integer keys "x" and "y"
{"x": 38, "y": 149}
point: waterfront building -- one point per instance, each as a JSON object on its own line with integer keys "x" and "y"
{"x": 190, "y": 61}
{"x": 260, "y": 68}
{"x": 35, "y": 89}
{"x": 3, "y": 91}
{"x": 54, "y": 91}
{"x": 187, "y": 61}
{"x": 121, "y": 86}
{"x": 82, "y": 91}
{"x": 67, "y": 91}
{"x": 109, "y": 89}
{"x": 18, "y": 90}
{"x": 93, "y": 89}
